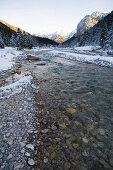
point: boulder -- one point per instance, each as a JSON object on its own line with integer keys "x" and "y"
{"x": 32, "y": 57}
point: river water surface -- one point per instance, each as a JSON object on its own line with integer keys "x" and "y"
{"x": 74, "y": 109}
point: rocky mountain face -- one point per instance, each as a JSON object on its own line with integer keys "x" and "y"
{"x": 89, "y": 21}
{"x": 16, "y": 37}
{"x": 71, "y": 34}
{"x": 100, "y": 34}
{"x": 58, "y": 37}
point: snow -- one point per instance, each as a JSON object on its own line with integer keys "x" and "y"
{"x": 7, "y": 56}
{"x": 98, "y": 15}
{"x": 96, "y": 59}
{"x": 87, "y": 48}
{"x": 14, "y": 88}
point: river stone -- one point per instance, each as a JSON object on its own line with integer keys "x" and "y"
{"x": 22, "y": 144}
{"x": 84, "y": 140}
{"x": 101, "y": 131}
{"x": 73, "y": 139}
{"x": 71, "y": 110}
{"x": 1, "y": 155}
{"x": 45, "y": 131}
{"x": 53, "y": 127}
{"x": 62, "y": 126}
{"x": 0, "y": 161}
{"x": 67, "y": 166}
{"x": 30, "y": 146}
{"x": 75, "y": 145}
{"x": 19, "y": 167}
{"x": 31, "y": 162}
{"x": 27, "y": 154}
{"x": 85, "y": 153}
{"x": 7, "y": 134}
{"x": 42, "y": 103}
{"x": 111, "y": 161}
{"x": 45, "y": 160}
{"x": 10, "y": 156}
{"x": 31, "y": 57}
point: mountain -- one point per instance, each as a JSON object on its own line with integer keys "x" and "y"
{"x": 70, "y": 35}
{"x": 16, "y": 37}
{"x": 98, "y": 16}
{"x": 58, "y": 37}
{"x": 89, "y": 21}
{"x": 100, "y": 34}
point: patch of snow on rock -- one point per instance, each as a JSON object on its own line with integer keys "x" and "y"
{"x": 14, "y": 88}
{"x": 7, "y": 56}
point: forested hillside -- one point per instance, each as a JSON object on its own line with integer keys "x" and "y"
{"x": 16, "y": 37}
{"x": 101, "y": 34}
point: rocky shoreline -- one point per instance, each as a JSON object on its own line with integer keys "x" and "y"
{"x": 55, "y": 122}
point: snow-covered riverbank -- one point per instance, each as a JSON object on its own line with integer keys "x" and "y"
{"x": 83, "y": 54}
{"x": 7, "y": 56}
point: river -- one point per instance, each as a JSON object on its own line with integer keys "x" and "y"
{"x": 62, "y": 121}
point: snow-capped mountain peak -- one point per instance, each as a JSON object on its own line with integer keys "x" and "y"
{"x": 97, "y": 15}
{"x": 89, "y": 21}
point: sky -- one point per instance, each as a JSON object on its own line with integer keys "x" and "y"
{"x": 48, "y": 16}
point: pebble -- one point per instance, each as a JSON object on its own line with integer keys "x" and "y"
{"x": 29, "y": 99}
{"x": 54, "y": 127}
{"x": 67, "y": 166}
{"x": 84, "y": 140}
{"x": 10, "y": 142}
{"x": 45, "y": 160}
{"x": 1, "y": 155}
{"x": 10, "y": 156}
{"x": 75, "y": 145}
{"x": 18, "y": 167}
{"x": 31, "y": 162}
{"x": 45, "y": 130}
{"x": 85, "y": 153}
{"x": 30, "y": 131}
{"x": 23, "y": 150}
{"x": 71, "y": 110}
{"x": 42, "y": 103}
{"x": 0, "y": 161}
{"x": 111, "y": 161}
{"x": 7, "y": 134}
{"x": 22, "y": 144}
{"x": 30, "y": 146}
{"x": 101, "y": 131}
{"x": 72, "y": 139}
{"x": 62, "y": 126}
{"x": 27, "y": 154}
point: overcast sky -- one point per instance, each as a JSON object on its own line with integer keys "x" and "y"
{"x": 47, "y": 16}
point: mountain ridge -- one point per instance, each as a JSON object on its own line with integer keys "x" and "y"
{"x": 100, "y": 34}
{"x": 14, "y": 36}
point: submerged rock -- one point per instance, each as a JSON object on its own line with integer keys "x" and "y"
{"x": 45, "y": 160}
{"x": 84, "y": 140}
{"x": 71, "y": 110}
{"x": 32, "y": 57}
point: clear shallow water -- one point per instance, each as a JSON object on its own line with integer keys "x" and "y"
{"x": 75, "y": 105}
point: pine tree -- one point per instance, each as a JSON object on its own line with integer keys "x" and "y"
{"x": 13, "y": 41}
{"x": 28, "y": 41}
{"x": 1, "y": 41}
{"x": 20, "y": 39}
{"x": 103, "y": 37}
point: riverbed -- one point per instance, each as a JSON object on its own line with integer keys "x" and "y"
{"x": 63, "y": 119}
